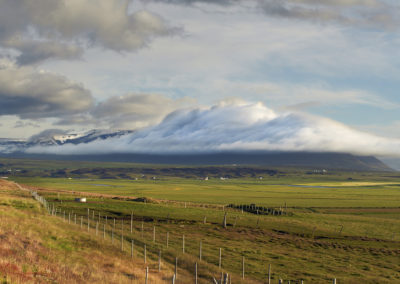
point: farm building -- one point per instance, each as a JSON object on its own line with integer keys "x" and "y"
{"x": 80, "y": 199}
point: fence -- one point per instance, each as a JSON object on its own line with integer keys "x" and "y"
{"x": 136, "y": 240}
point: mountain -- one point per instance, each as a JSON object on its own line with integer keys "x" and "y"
{"x": 394, "y": 163}
{"x": 312, "y": 160}
{"x": 316, "y": 161}
{"x": 57, "y": 137}
{"x": 51, "y": 138}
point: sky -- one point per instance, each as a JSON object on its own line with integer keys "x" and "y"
{"x": 111, "y": 64}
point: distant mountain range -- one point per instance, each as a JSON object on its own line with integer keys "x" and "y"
{"x": 53, "y": 138}
{"x": 342, "y": 161}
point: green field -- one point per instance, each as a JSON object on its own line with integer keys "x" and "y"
{"x": 268, "y": 192}
{"x": 339, "y": 225}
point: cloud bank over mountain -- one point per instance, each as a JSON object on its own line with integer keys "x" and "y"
{"x": 236, "y": 127}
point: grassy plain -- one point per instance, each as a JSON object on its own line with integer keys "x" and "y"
{"x": 296, "y": 192}
{"x": 340, "y": 225}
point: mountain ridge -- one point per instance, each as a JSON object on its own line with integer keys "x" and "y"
{"x": 328, "y": 161}
{"x": 53, "y": 138}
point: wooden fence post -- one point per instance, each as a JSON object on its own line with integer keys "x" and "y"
{"x": 97, "y": 228}
{"x": 220, "y": 258}
{"x": 167, "y": 238}
{"x": 183, "y": 243}
{"x": 334, "y": 281}
{"x": 154, "y": 234}
{"x": 224, "y": 222}
{"x": 269, "y": 274}
{"x": 195, "y": 273}
{"x": 176, "y": 268}
{"x": 122, "y": 241}
{"x": 131, "y": 222}
{"x": 173, "y": 279}
{"x": 200, "y": 248}
{"x": 104, "y": 231}
{"x": 159, "y": 260}
{"x": 147, "y": 274}
{"x": 242, "y": 267}
{"x": 144, "y": 254}
{"x": 132, "y": 245}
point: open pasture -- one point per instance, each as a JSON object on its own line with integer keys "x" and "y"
{"x": 333, "y": 229}
{"x": 272, "y": 191}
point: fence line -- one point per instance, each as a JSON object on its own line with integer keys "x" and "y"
{"x": 52, "y": 210}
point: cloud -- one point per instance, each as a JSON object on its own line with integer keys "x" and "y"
{"x": 23, "y": 124}
{"x": 134, "y": 111}
{"x": 31, "y": 93}
{"x": 238, "y": 127}
{"x": 361, "y": 13}
{"x": 302, "y": 95}
{"x": 37, "y": 51}
{"x": 379, "y": 14}
{"x": 46, "y": 135}
{"x": 58, "y": 28}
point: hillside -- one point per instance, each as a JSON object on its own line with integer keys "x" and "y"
{"x": 38, "y": 248}
{"x": 337, "y": 161}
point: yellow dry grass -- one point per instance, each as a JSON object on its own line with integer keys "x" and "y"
{"x": 37, "y": 248}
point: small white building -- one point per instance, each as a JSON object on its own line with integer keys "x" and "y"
{"x": 80, "y": 199}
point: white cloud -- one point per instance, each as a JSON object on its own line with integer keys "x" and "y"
{"x": 238, "y": 127}
{"x": 133, "y": 111}
{"x": 59, "y": 28}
